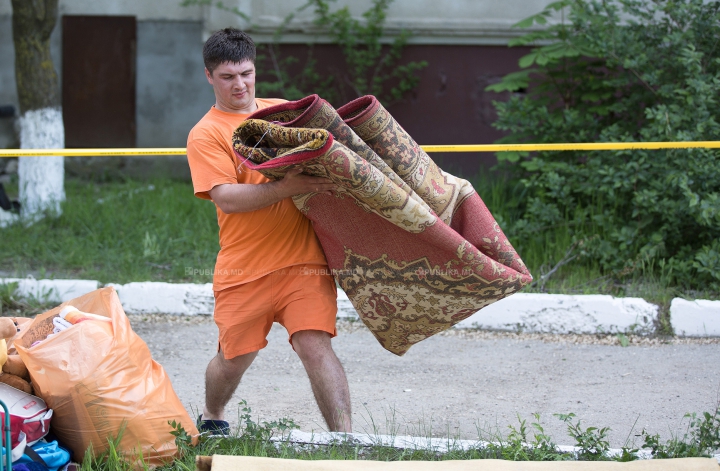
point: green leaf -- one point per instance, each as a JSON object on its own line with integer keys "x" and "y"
{"x": 511, "y": 156}
{"x": 528, "y": 60}
{"x": 531, "y": 165}
{"x": 526, "y": 23}
{"x": 512, "y": 82}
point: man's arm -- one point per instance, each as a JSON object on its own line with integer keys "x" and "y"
{"x": 245, "y": 197}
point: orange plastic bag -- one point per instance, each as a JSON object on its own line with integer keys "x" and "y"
{"x": 100, "y": 378}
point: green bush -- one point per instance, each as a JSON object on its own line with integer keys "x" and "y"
{"x": 370, "y": 68}
{"x": 622, "y": 70}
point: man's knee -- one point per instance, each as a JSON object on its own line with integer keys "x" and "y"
{"x": 236, "y": 365}
{"x": 311, "y": 343}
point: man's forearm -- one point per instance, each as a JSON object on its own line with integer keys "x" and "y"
{"x": 245, "y": 197}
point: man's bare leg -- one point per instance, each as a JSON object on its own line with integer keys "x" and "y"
{"x": 327, "y": 378}
{"x": 221, "y": 380}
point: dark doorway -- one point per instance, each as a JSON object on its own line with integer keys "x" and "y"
{"x": 98, "y": 80}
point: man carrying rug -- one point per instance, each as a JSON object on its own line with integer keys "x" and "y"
{"x": 270, "y": 267}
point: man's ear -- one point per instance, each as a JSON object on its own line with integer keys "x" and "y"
{"x": 209, "y": 76}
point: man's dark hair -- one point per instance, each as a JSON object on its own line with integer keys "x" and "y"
{"x": 228, "y": 45}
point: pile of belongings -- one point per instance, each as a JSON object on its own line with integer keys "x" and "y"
{"x": 29, "y": 426}
{"x": 97, "y": 380}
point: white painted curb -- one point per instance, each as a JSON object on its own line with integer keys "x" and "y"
{"x": 550, "y": 313}
{"x": 52, "y": 290}
{"x": 553, "y": 313}
{"x": 435, "y": 445}
{"x": 699, "y": 318}
{"x": 565, "y": 314}
{"x": 166, "y": 298}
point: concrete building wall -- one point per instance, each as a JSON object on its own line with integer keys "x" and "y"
{"x": 143, "y": 9}
{"x": 460, "y": 22}
{"x": 432, "y": 22}
{"x": 172, "y": 93}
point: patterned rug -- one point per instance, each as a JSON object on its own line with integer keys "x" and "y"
{"x": 414, "y": 248}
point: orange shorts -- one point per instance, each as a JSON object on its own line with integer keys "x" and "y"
{"x": 301, "y": 297}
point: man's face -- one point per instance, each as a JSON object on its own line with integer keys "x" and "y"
{"x": 234, "y": 86}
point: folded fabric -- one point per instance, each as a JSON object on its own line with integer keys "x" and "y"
{"x": 32, "y": 466}
{"x": 51, "y": 453}
{"x": 60, "y": 324}
{"x": 408, "y": 273}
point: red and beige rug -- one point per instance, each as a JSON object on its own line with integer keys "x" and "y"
{"x": 415, "y": 248}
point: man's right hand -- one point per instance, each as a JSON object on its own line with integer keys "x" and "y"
{"x": 297, "y": 183}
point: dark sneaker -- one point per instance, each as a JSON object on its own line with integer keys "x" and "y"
{"x": 213, "y": 428}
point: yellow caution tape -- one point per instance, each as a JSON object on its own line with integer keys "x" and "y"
{"x": 90, "y": 152}
{"x": 428, "y": 148}
{"x": 573, "y": 146}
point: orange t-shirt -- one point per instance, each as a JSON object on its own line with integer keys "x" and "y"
{"x": 255, "y": 243}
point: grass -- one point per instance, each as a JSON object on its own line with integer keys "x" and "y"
{"x": 523, "y": 442}
{"x": 13, "y": 304}
{"x": 158, "y": 230}
{"x": 118, "y": 232}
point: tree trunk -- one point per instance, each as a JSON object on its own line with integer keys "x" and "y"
{"x": 41, "y": 125}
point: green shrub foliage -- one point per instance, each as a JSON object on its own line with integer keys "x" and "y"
{"x": 622, "y": 70}
{"x": 371, "y": 68}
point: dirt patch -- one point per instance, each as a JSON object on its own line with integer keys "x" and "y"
{"x": 462, "y": 382}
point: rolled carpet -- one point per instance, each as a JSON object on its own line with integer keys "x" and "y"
{"x": 408, "y": 274}
{"x": 315, "y": 113}
{"x": 453, "y": 199}
{"x": 367, "y": 128}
